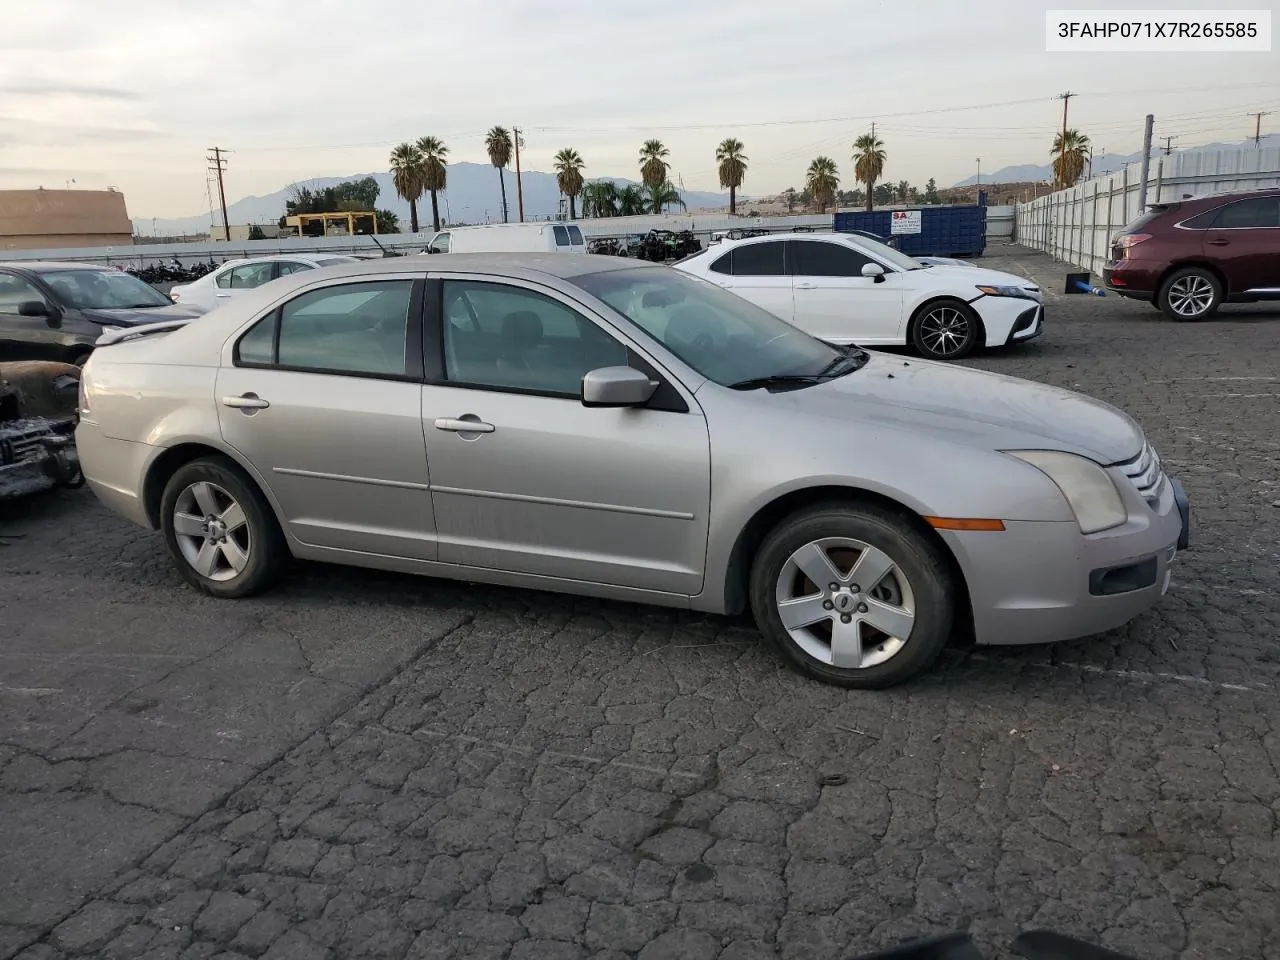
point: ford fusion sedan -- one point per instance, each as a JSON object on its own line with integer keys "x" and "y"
{"x": 56, "y": 311}
{"x": 236, "y": 277}
{"x": 846, "y": 288}
{"x": 593, "y": 426}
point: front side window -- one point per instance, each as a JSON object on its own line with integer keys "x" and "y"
{"x": 759, "y": 260}
{"x": 497, "y": 335}
{"x": 1254, "y": 212}
{"x": 719, "y": 334}
{"x": 358, "y": 328}
{"x": 15, "y": 291}
{"x": 440, "y": 244}
{"x": 814, "y": 258}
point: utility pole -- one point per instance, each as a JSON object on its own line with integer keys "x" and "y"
{"x": 515, "y": 131}
{"x": 1168, "y": 144}
{"x": 977, "y": 184}
{"x": 1062, "y": 145}
{"x": 218, "y": 163}
{"x": 1146, "y": 162}
{"x": 1257, "y": 125}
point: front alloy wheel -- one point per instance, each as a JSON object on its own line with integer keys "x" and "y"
{"x": 853, "y": 594}
{"x": 845, "y": 603}
{"x": 946, "y": 331}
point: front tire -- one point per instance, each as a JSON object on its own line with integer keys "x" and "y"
{"x": 853, "y": 595}
{"x": 1192, "y": 293}
{"x": 220, "y": 530}
{"x": 946, "y": 330}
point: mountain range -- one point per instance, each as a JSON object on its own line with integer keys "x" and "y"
{"x": 472, "y": 196}
{"x": 1102, "y": 163}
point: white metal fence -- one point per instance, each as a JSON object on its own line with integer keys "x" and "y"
{"x": 1076, "y": 225}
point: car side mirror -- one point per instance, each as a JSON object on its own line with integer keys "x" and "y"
{"x": 873, "y": 270}
{"x": 617, "y": 387}
{"x": 38, "y": 308}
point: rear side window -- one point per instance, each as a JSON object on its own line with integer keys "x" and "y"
{"x": 1202, "y": 221}
{"x": 1254, "y": 212}
{"x": 1148, "y": 218}
{"x": 724, "y": 264}
{"x": 759, "y": 260}
{"x": 562, "y": 236}
{"x": 575, "y": 236}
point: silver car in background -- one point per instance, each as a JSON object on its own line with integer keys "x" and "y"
{"x": 596, "y": 426}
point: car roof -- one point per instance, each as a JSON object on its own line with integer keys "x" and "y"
{"x": 1222, "y": 197}
{"x": 51, "y": 266}
{"x": 528, "y": 265}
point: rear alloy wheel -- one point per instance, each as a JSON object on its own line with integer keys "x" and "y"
{"x": 853, "y": 595}
{"x": 220, "y": 530}
{"x": 947, "y": 330}
{"x": 1191, "y": 294}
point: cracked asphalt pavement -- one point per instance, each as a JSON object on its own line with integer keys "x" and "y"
{"x": 368, "y": 765}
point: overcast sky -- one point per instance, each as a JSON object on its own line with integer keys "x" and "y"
{"x": 130, "y": 92}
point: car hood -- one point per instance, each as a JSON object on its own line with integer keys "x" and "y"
{"x": 973, "y": 275}
{"x": 972, "y": 407}
{"x": 135, "y": 316}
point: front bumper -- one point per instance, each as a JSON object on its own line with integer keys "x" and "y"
{"x": 1008, "y": 320}
{"x": 1044, "y": 582}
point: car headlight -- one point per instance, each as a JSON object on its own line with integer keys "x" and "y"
{"x": 992, "y": 290}
{"x": 1089, "y": 490}
{"x": 107, "y": 329}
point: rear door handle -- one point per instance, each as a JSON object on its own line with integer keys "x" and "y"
{"x": 463, "y": 425}
{"x": 1218, "y": 243}
{"x": 246, "y": 401}
{"x": 806, "y": 286}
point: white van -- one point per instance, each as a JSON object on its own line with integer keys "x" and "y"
{"x": 510, "y": 238}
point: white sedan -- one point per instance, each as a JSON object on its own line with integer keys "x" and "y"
{"x": 849, "y": 289}
{"x": 236, "y": 277}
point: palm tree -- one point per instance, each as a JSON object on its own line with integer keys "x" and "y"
{"x": 406, "y": 177}
{"x": 1068, "y": 162}
{"x": 822, "y": 180}
{"x": 663, "y": 195}
{"x": 868, "y": 163}
{"x": 653, "y": 163}
{"x": 568, "y": 167}
{"x": 904, "y": 191}
{"x": 632, "y": 201}
{"x": 600, "y": 199}
{"x": 434, "y": 173}
{"x": 498, "y": 142}
{"x": 733, "y": 167}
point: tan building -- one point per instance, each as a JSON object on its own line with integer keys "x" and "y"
{"x": 39, "y": 219}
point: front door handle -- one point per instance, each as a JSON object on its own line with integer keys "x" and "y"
{"x": 806, "y": 286}
{"x": 246, "y": 401}
{"x": 468, "y": 423}
{"x": 1218, "y": 242}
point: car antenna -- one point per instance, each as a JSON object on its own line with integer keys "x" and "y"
{"x": 385, "y": 251}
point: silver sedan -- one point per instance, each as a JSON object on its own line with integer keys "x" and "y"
{"x": 597, "y": 426}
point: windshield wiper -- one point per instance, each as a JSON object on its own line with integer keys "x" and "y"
{"x": 854, "y": 358}
{"x": 778, "y": 380}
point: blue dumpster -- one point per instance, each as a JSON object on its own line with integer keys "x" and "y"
{"x": 944, "y": 231}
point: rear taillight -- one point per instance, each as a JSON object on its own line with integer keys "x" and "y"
{"x": 82, "y": 402}
{"x": 1130, "y": 240}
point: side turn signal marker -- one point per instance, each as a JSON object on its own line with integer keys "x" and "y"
{"x": 962, "y": 523}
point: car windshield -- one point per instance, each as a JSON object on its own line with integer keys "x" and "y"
{"x": 895, "y": 258}
{"x": 717, "y": 333}
{"x": 103, "y": 289}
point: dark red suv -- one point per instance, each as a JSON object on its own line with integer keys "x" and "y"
{"x": 1190, "y": 256}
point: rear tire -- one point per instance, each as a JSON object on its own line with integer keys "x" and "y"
{"x": 946, "y": 330}
{"x": 220, "y": 530}
{"x": 872, "y": 634}
{"x": 1190, "y": 294}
